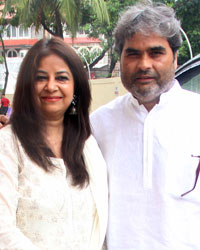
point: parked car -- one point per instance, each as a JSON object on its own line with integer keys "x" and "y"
{"x": 188, "y": 74}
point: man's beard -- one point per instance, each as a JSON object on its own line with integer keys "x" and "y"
{"x": 147, "y": 92}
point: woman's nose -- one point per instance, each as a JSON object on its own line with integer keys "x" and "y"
{"x": 51, "y": 85}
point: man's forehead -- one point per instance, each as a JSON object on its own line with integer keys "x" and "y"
{"x": 139, "y": 40}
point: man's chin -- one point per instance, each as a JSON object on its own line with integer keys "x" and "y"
{"x": 146, "y": 97}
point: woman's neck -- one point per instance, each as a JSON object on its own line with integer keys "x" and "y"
{"x": 54, "y": 135}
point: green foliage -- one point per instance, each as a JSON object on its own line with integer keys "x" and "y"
{"x": 89, "y": 56}
{"x": 188, "y": 13}
{"x": 104, "y": 31}
{"x": 53, "y": 15}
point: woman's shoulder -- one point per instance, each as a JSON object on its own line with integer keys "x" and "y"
{"x": 8, "y": 140}
{"x": 6, "y": 133}
{"x": 91, "y": 144}
{"x": 92, "y": 153}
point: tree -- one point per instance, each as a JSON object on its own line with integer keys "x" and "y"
{"x": 188, "y": 13}
{"x": 103, "y": 31}
{"x": 54, "y": 15}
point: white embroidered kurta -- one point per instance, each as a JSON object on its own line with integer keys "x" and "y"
{"x": 42, "y": 211}
{"x": 150, "y": 164}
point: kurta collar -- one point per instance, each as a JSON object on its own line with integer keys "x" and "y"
{"x": 164, "y": 98}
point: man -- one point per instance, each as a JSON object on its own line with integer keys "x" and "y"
{"x": 150, "y": 139}
{"x": 4, "y": 105}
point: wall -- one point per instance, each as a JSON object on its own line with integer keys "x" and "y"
{"x": 104, "y": 90}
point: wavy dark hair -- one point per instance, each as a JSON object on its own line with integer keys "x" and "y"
{"x": 27, "y": 120}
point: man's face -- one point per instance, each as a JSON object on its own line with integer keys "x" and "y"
{"x": 147, "y": 67}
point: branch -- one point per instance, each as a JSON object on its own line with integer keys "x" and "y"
{"x": 46, "y": 27}
{"x": 96, "y": 60}
{"x": 59, "y": 28}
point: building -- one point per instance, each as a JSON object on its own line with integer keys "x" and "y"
{"x": 18, "y": 40}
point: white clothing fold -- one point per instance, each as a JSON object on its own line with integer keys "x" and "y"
{"x": 41, "y": 210}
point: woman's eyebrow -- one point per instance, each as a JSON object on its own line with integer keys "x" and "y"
{"x": 41, "y": 71}
{"x": 62, "y": 71}
{"x": 57, "y": 73}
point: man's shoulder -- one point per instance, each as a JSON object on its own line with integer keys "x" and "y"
{"x": 116, "y": 104}
{"x": 191, "y": 97}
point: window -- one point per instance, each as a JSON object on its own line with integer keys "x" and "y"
{"x": 193, "y": 83}
{"x": 11, "y": 31}
{"x": 189, "y": 74}
{"x": 23, "y": 32}
{"x": 12, "y": 53}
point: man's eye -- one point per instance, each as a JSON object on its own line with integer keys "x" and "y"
{"x": 62, "y": 78}
{"x": 41, "y": 78}
{"x": 132, "y": 54}
{"x": 156, "y": 53}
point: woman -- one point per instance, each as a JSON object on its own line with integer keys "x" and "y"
{"x": 53, "y": 184}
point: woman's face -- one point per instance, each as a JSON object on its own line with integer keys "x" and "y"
{"x": 54, "y": 86}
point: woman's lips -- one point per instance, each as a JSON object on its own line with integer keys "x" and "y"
{"x": 51, "y": 98}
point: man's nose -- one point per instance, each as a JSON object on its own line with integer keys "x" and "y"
{"x": 145, "y": 62}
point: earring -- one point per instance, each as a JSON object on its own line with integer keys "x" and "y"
{"x": 73, "y": 110}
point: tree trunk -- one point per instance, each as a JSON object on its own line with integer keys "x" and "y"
{"x": 59, "y": 28}
{"x": 113, "y": 62}
{"x": 7, "y": 72}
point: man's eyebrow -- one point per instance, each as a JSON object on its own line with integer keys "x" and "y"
{"x": 157, "y": 48}
{"x": 131, "y": 50}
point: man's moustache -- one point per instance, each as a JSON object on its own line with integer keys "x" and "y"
{"x": 144, "y": 74}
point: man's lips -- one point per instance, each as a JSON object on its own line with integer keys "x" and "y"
{"x": 51, "y": 98}
{"x": 144, "y": 78}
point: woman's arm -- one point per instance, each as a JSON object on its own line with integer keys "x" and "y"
{"x": 11, "y": 238}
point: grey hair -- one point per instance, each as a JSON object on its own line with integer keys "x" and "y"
{"x": 148, "y": 18}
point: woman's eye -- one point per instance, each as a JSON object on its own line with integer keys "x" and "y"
{"x": 156, "y": 53}
{"x": 62, "y": 78}
{"x": 41, "y": 78}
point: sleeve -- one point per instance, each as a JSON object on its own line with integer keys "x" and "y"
{"x": 97, "y": 171}
{"x": 104, "y": 245}
{"x": 11, "y": 238}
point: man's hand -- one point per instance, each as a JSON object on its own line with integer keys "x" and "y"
{"x": 3, "y": 120}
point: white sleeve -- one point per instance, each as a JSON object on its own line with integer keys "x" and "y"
{"x": 11, "y": 238}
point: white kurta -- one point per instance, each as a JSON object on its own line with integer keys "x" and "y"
{"x": 42, "y": 211}
{"x": 150, "y": 164}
